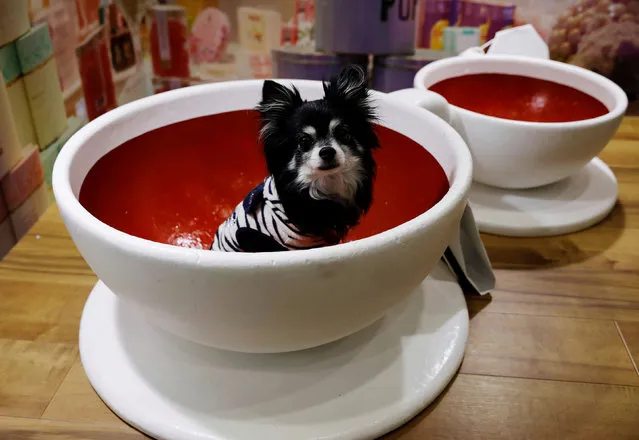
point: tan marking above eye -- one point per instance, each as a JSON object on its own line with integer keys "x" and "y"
{"x": 309, "y": 131}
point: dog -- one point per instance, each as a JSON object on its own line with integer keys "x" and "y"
{"x": 319, "y": 155}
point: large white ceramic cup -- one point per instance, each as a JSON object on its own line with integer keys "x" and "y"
{"x": 520, "y": 154}
{"x": 263, "y": 302}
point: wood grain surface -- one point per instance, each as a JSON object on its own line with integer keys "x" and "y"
{"x": 552, "y": 352}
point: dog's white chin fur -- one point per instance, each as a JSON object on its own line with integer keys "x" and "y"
{"x": 339, "y": 184}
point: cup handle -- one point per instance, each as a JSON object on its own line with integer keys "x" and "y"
{"x": 431, "y": 101}
{"x": 465, "y": 255}
{"x": 473, "y": 52}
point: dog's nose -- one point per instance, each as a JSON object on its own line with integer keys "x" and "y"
{"x": 327, "y": 153}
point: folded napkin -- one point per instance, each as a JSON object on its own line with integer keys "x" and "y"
{"x": 466, "y": 256}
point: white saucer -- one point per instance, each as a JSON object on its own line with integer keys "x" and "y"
{"x": 360, "y": 387}
{"x": 570, "y": 205}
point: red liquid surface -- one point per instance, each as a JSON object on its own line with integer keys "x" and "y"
{"x": 177, "y": 184}
{"x": 519, "y": 97}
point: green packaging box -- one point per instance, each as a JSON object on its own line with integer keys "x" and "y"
{"x": 9, "y": 64}
{"x": 34, "y": 48}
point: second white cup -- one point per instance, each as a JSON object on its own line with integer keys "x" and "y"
{"x": 519, "y": 154}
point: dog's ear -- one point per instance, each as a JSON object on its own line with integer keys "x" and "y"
{"x": 278, "y": 101}
{"x": 348, "y": 89}
{"x": 277, "y": 105}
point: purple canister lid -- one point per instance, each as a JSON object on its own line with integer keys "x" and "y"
{"x": 296, "y": 62}
{"x": 377, "y": 27}
{"x": 397, "y": 72}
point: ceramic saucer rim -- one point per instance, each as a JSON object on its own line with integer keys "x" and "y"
{"x": 521, "y": 229}
{"x": 400, "y": 414}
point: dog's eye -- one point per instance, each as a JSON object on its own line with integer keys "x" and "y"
{"x": 305, "y": 141}
{"x": 341, "y": 133}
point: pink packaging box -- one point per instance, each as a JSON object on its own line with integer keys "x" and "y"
{"x": 61, "y": 17}
{"x": 23, "y": 178}
{"x": 27, "y": 214}
{"x": 7, "y": 238}
{"x": 9, "y": 153}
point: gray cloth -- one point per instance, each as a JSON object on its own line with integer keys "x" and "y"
{"x": 466, "y": 256}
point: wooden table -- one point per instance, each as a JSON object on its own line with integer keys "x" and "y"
{"x": 552, "y": 354}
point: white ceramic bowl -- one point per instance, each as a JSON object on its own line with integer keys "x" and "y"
{"x": 264, "y": 302}
{"x": 519, "y": 154}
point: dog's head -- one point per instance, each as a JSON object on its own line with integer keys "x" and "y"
{"x": 323, "y": 146}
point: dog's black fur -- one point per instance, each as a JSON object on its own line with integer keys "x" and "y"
{"x": 327, "y": 208}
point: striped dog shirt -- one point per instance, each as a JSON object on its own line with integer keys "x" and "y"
{"x": 259, "y": 224}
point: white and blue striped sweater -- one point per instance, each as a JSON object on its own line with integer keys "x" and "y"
{"x": 259, "y": 224}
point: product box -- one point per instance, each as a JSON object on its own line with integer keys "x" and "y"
{"x": 120, "y": 39}
{"x": 38, "y": 65}
{"x": 209, "y": 37}
{"x": 434, "y": 17}
{"x": 474, "y": 14}
{"x": 14, "y": 20}
{"x": 260, "y": 30}
{"x": 61, "y": 18}
{"x": 50, "y": 154}
{"x": 30, "y": 211}
{"x": 195, "y": 7}
{"x": 458, "y": 39}
{"x": 87, "y": 15}
{"x": 23, "y": 178}
{"x": 10, "y": 148}
{"x": 99, "y": 89}
{"x": 299, "y": 30}
{"x": 7, "y": 237}
{"x": 252, "y": 65}
{"x": 4, "y": 211}
{"x": 9, "y": 63}
{"x": 14, "y": 83}
{"x": 168, "y": 41}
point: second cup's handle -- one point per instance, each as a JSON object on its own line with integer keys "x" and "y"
{"x": 465, "y": 255}
{"x": 431, "y": 101}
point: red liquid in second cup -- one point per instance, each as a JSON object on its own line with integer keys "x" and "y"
{"x": 519, "y": 98}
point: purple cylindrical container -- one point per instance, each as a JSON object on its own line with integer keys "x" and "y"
{"x": 392, "y": 73}
{"x": 377, "y": 27}
{"x": 302, "y": 63}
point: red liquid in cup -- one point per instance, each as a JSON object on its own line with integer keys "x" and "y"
{"x": 519, "y": 98}
{"x": 178, "y": 183}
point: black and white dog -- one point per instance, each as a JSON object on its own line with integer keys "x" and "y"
{"x": 319, "y": 156}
